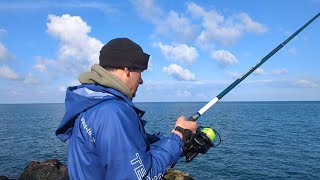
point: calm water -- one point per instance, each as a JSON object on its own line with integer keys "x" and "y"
{"x": 261, "y": 140}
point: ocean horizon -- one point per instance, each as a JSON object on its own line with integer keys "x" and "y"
{"x": 220, "y": 101}
{"x": 260, "y": 139}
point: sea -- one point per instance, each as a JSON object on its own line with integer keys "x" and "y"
{"x": 260, "y": 140}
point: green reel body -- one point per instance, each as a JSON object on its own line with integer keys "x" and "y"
{"x": 201, "y": 142}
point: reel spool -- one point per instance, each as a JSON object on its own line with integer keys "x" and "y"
{"x": 201, "y": 142}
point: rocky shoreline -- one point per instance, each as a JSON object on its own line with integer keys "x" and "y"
{"x": 53, "y": 169}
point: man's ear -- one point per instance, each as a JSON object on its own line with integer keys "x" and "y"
{"x": 126, "y": 70}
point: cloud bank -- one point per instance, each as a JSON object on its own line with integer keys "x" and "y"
{"x": 179, "y": 73}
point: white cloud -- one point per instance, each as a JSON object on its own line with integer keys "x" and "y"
{"x": 40, "y": 67}
{"x": 33, "y": 6}
{"x": 280, "y": 71}
{"x": 234, "y": 75}
{"x": 292, "y": 50}
{"x": 7, "y": 73}
{"x": 78, "y": 51}
{"x": 30, "y": 79}
{"x": 217, "y": 28}
{"x": 5, "y": 55}
{"x": 171, "y": 24}
{"x": 148, "y": 9}
{"x": 62, "y": 88}
{"x": 184, "y": 93}
{"x": 74, "y": 82}
{"x": 72, "y": 32}
{"x": 179, "y": 73}
{"x": 180, "y": 52}
{"x": 214, "y": 28}
{"x": 248, "y": 24}
{"x": 305, "y": 83}
{"x": 15, "y": 93}
{"x": 56, "y": 68}
{"x": 260, "y": 71}
{"x": 224, "y": 58}
{"x": 3, "y": 32}
{"x": 176, "y": 27}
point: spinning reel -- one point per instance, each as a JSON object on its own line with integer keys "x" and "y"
{"x": 200, "y": 142}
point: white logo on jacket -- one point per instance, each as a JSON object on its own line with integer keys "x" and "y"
{"x": 140, "y": 170}
{"x": 88, "y": 130}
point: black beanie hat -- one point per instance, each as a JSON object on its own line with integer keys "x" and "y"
{"x": 123, "y": 52}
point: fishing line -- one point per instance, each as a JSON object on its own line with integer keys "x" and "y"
{"x": 220, "y": 140}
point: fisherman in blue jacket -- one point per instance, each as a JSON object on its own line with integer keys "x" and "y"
{"x": 106, "y": 134}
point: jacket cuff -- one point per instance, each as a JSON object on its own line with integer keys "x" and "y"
{"x": 176, "y": 138}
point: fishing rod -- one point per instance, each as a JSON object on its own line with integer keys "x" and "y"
{"x": 202, "y": 141}
{"x": 196, "y": 116}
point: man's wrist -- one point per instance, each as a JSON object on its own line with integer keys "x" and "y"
{"x": 184, "y": 134}
{"x": 177, "y": 133}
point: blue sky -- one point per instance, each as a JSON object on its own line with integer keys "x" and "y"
{"x": 197, "y": 48}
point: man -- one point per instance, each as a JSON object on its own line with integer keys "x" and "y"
{"x": 106, "y": 134}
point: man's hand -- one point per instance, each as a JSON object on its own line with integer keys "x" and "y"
{"x": 185, "y": 124}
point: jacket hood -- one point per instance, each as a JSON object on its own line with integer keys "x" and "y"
{"x": 99, "y": 75}
{"x": 80, "y": 98}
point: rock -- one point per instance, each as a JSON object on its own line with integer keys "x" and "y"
{"x": 177, "y": 175}
{"x": 46, "y": 170}
{"x": 3, "y": 178}
{"x": 55, "y": 170}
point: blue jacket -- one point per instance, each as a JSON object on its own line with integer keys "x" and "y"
{"x": 107, "y": 139}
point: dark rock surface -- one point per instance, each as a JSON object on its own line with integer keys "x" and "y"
{"x": 53, "y": 169}
{"x": 3, "y": 178}
{"x": 177, "y": 175}
{"x": 49, "y": 170}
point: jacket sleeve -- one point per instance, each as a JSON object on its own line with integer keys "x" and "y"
{"x": 152, "y": 138}
{"x": 125, "y": 150}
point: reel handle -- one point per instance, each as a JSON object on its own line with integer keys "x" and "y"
{"x": 191, "y": 156}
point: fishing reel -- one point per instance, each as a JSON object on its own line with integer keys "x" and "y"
{"x": 200, "y": 142}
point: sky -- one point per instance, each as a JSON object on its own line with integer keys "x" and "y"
{"x": 197, "y": 48}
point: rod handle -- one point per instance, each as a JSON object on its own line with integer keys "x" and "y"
{"x": 194, "y": 117}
